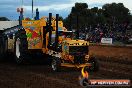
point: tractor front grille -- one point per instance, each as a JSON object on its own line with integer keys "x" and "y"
{"x": 79, "y": 59}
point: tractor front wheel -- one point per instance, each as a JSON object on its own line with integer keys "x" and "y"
{"x": 56, "y": 64}
{"x": 94, "y": 64}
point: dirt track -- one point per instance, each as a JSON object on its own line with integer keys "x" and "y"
{"x": 112, "y": 53}
{"x": 41, "y": 76}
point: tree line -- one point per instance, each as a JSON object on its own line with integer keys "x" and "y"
{"x": 113, "y": 13}
{"x": 81, "y": 14}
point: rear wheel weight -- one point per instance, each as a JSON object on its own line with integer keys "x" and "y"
{"x": 20, "y": 47}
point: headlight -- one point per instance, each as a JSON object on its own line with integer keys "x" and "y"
{"x": 87, "y": 57}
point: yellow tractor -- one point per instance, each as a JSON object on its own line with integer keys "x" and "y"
{"x": 48, "y": 36}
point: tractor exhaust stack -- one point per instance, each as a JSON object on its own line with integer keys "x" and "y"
{"x": 56, "y": 38}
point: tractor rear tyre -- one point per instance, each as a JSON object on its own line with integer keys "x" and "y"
{"x": 20, "y": 47}
{"x": 3, "y": 50}
{"x": 56, "y": 64}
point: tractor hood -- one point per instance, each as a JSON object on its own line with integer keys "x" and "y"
{"x": 77, "y": 42}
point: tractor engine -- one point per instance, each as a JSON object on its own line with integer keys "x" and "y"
{"x": 79, "y": 53}
{"x": 76, "y": 50}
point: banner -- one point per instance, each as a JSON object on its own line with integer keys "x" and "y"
{"x": 106, "y": 40}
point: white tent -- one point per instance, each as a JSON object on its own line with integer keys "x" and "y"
{"x": 8, "y": 24}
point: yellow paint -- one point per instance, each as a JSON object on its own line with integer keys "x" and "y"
{"x": 76, "y": 65}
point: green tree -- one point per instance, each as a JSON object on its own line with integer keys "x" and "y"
{"x": 116, "y": 12}
{"x": 110, "y": 13}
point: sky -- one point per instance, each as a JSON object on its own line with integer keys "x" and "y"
{"x": 61, "y": 7}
